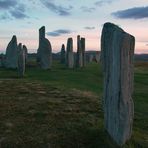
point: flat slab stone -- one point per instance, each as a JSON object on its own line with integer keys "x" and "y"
{"x": 117, "y": 56}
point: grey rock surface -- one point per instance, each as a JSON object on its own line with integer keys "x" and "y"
{"x": 21, "y": 60}
{"x": 69, "y": 53}
{"x": 11, "y": 54}
{"x": 44, "y": 53}
{"x": 117, "y": 55}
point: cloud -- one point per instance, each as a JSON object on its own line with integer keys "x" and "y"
{"x": 12, "y": 9}
{"x": 102, "y": 2}
{"x": 146, "y": 44}
{"x": 87, "y": 9}
{"x": 89, "y": 28}
{"x": 18, "y": 14}
{"x": 132, "y": 13}
{"x": 59, "y": 32}
{"x": 62, "y": 11}
{"x": 6, "y": 4}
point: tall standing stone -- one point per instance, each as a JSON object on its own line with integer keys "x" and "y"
{"x": 117, "y": 49}
{"x": 11, "y": 54}
{"x": 83, "y": 51}
{"x": 44, "y": 53}
{"x": 79, "y": 58}
{"x": 2, "y": 60}
{"x": 26, "y": 53}
{"x": 63, "y": 54}
{"x": 21, "y": 60}
{"x": 69, "y": 53}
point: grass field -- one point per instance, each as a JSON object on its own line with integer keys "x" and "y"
{"x": 62, "y": 108}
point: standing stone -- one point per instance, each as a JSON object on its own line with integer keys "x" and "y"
{"x": 63, "y": 54}
{"x": 91, "y": 58}
{"x": 44, "y": 53}
{"x": 69, "y": 53}
{"x": 2, "y": 60}
{"x": 26, "y": 53}
{"x": 11, "y": 54}
{"x": 79, "y": 58}
{"x": 83, "y": 51}
{"x": 117, "y": 49}
{"x": 97, "y": 57}
{"x": 21, "y": 60}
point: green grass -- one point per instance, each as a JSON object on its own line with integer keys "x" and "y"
{"x": 61, "y": 108}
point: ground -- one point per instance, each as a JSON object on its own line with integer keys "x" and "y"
{"x": 62, "y": 108}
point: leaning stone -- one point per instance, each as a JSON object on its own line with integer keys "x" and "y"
{"x": 63, "y": 54}
{"x": 11, "y": 54}
{"x": 117, "y": 49}
{"x": 21, "y": 60}
{"x": 69, "y": 53}
{"x": 44, "y": 53}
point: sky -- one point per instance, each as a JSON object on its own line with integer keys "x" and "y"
{"x": 69, "y": 18}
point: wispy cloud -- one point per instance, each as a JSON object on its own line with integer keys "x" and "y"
{"x": 102, "y": 2}
{"x": 132, "y": 13}
{"x": 12, "y": 9}
{"x": 59, "y": 32}
{"x": 87, "y": 9}
{"x": 60, "y": 10}
{"x": 89, "y": 28}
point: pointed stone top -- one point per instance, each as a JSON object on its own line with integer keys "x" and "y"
{"x": 24, "y": 46}
{"x": 20, "y": 46}
{"x": 14, "y": 39}
{"x": 63, "y": 46}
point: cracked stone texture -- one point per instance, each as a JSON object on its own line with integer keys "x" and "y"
{"x": 117, "y": 56}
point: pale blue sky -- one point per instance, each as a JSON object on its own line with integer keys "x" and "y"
{"x": 68, "y": 18}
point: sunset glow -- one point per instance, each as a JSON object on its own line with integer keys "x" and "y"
{"x": 85, "y": 19}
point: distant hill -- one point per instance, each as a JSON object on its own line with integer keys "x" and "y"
{"x": 141, "y": 57}
{"x": 56, "y": 56}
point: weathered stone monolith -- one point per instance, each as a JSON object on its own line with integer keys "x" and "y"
{"x": 11, "y": 54}
{"x": 63, "y": 55}
{"x": 21, "y": 60}
{"x": 79, "y": 58}
{"x": 69, "y": 53}
{"x": 44, "y": 53}
{"x": 83, "y": 51}
{"x": 117, "y": 49}
{"x": 26, "y": 53}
